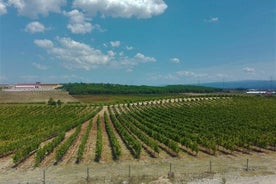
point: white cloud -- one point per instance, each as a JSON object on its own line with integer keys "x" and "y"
{"x": 39, "y": 66}
{"x": 191, "y": 74}
{"x": 123, "y": 61}
{"x": 127, "y": 63}
{"x": 99, "y": 28}
{"x": 163, "y": 77}
{"x": 78, "y": 23}
{"x": 213, "y": 20}
{"x": 35, "y": 27}
{"x": 111, "y": 53}
{"x": 249, "y": 70}
{"x": 44, "y": 43}
{"x": 75, "y": 55}
{"x": 129, "y": 70}
{"x": 3, "y": 8}
{"x": 142, "y": 58}
{"x": 115, "y": 43}
{"x": 175, "y": 60}
{"x": 34, "y": 8}
{"x": 186, "y": 73}
{"x": 122, "y": 8}
{"x": 129, "y": 48}
{"x": 121, "y": 53}
{"x": 220, "y": 75}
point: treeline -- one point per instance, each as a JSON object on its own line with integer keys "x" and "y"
{"x": 91, "y": 88}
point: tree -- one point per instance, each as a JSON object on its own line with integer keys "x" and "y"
{"x": 59, "y": 103}
{"x": 51, "y": 101}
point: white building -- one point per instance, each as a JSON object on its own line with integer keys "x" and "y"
{"x": 33, "y": 87}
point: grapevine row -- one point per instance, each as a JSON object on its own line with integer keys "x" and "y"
{"x": 128, "y": 122}
{"x": 66, "y": 145}
{"x": 116, "y": 148}
{"x": 83, "y": 142}
{"x": 99, "y": 143}
{"x": 134, "y": 145}
{"x": 48, "y": 148}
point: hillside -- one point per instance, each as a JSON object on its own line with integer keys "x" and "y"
{"x": 86, "y": 89}
{"x": 194, "y": 137}
{"x": 34, "y": 96}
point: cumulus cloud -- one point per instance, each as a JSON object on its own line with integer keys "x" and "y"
{"x": 129, "y": 70}
{"x": 129, "y": 48}
{"x": 34, "y": 8}
{"x": 35, "y": 27}
{"x": 122, "y": 8}
{"x": 115, "y": 43}
{"x": 129, "y": 63}
{"x": 75, "y": 55}
{"x": 144, "y": 59}
{"x": 46, "y": 44}
{"x": 111, "y": 53}
{"x": 99, "y": 28}
{"x": 78, "y": 23}
{"x": 3, "y": 8}
{"x": 213, "y": 20}
{"x": 190, "y": 74}
{"x": 249, "y": 70}
{"x": 175, "y": 60}
{"x": 39, "y": 66}
{"x": 186, "y": 73}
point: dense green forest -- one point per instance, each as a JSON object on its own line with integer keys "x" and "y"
{"x": 86, "y": 89}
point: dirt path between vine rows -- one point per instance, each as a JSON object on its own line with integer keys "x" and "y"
{"x": 71, "y": 154}
{"x": 89, "y": 152}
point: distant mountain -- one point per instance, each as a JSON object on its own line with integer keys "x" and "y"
{"x": 248, "y": 84}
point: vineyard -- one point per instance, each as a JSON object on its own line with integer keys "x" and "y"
{"x": 44, "y": 135}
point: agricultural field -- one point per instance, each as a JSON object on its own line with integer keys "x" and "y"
{"x": 35, "y": 96}
{"x": 24, "y": 127}
{"x": 182, "y": 127}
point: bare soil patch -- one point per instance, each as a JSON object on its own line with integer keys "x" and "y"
{"x": 35, "y": 96}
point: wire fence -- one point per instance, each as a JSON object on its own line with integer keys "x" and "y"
{"x": 176, "y": 172}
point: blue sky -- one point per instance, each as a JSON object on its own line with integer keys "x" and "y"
{"x": 151, "y": 42}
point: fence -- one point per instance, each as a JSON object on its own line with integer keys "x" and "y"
{"x": 140, "y": 172}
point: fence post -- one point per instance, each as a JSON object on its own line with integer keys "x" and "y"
{"x": 170, "y": 174}
{"x": 247, "y": 168}
{"x": 129, "y": 171}
{"x": 210, "y": 166}
{"x": 87, "y": 175}
{"x": 43, "y": 180}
